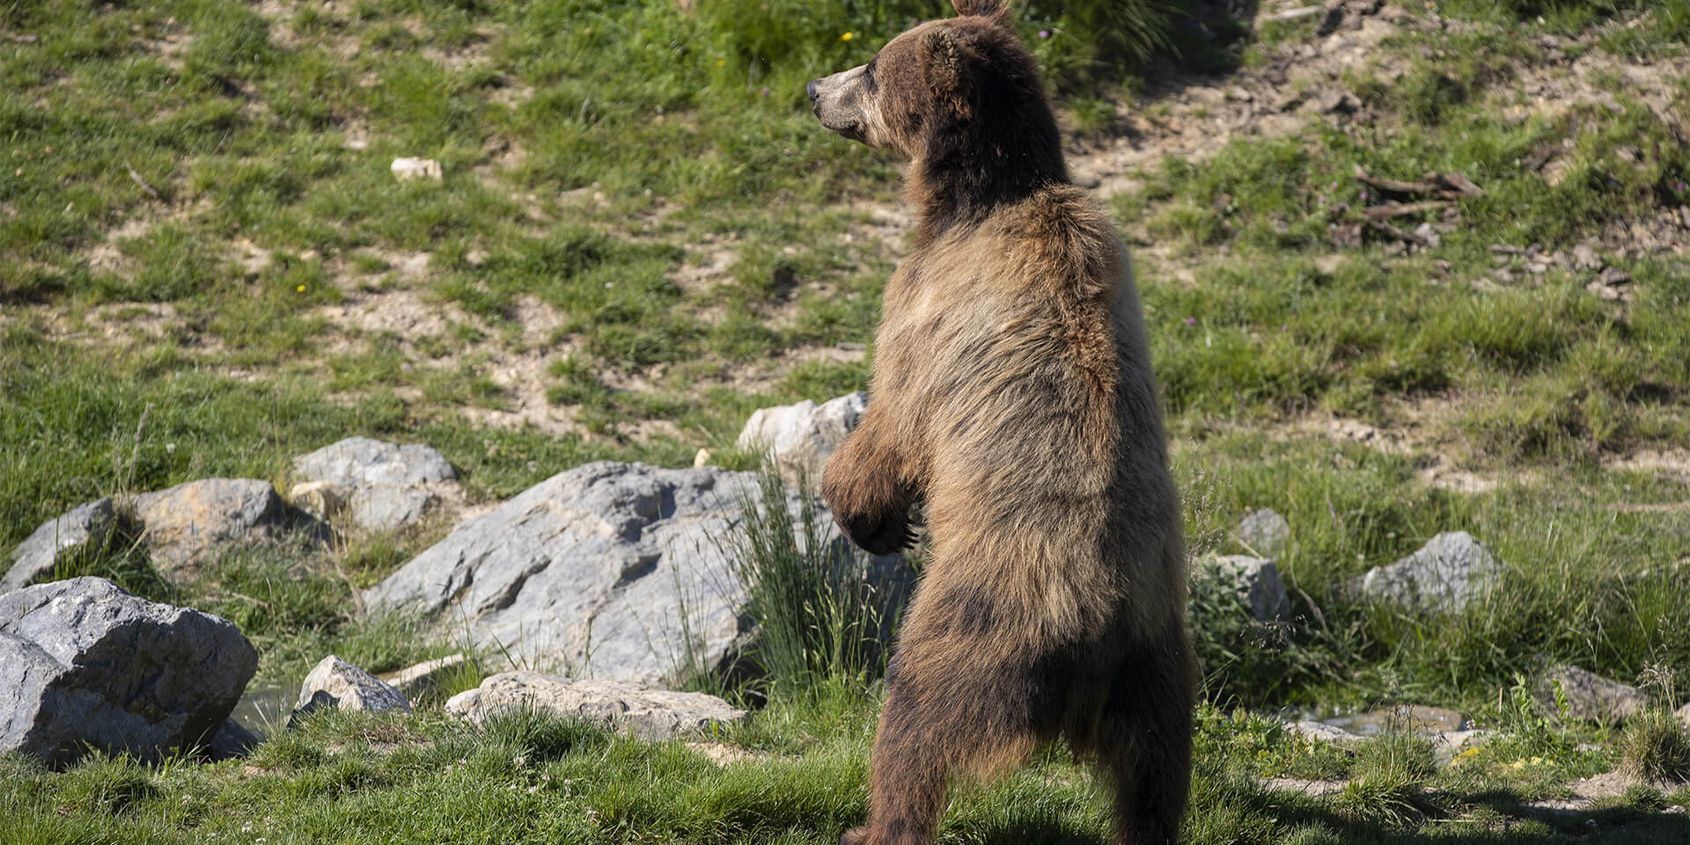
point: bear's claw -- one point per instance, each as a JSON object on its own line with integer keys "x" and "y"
{"x": 880, "y": 536}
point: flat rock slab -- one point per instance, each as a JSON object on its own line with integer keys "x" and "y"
{"x": 800, "y": 438}
{"x": 428, "y": 676}
{"x": 85, "y": 664}
{"x": 87, "y": 525}
{"x": 182, "y": 524}
{"x": 383, "y": 486}
{"x": 334, "y": 684}
{"x": 636, "y": 709}
{"x": 1450, "y": 573}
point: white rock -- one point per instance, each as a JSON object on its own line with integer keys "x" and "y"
{"x": 639, "y": 710}
{"x": 801, "y": 437}
{"x": 410, "y": 169}
{"x": 336, "y": 684}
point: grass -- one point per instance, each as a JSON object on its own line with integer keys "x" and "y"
{"x": 641, "y": 237}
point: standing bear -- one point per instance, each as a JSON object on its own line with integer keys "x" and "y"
{"x": 1013, "y": 400}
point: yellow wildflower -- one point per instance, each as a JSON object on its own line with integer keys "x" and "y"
{"x": 300, "y": 289}
{"x": 847, "y": 36}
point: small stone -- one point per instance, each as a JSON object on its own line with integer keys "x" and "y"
{"x": 336, "y": 684}
{"x": 413, "y": 169}
{"x": 642, "y": 711}
{"x": 1683, "y": 715}
{"x": 702, "y": 459}
{"x": 322, "y": 499}
{"x": 1587, "y": 695}
{"x": 1585, "y": 257}
{"x": 1614, "y": 277}
{"x": 84, "y": 526}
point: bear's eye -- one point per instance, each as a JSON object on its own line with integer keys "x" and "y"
{"x": 868, "y": 73}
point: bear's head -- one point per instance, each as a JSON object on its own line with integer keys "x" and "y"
{"x": 962, "y": 99}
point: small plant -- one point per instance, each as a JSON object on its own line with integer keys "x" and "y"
{"x": 1388, "y": 785}
{"x": 1655, "y": 747}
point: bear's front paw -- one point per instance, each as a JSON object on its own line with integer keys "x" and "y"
{"x": 880, "y": 534}
{"x": 855, "y": 836}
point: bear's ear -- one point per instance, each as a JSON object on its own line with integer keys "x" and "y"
{"x": 997, "y": 10}
{"x": 947, "y": 58}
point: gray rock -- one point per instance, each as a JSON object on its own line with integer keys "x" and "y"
{"x": 1683, "y": 715}
{"x": 333, "y": 683}
{"x": 1264, "y": 532}
{"x": 383, "y": 485}
{"x": 1450, "y": 573}
{"x": 426, "y": 677}
{"x": 182, "y": 524}
{"x": 85, "y": 664}
{"x": 1258, "y": 584}
{"x": 232, "y": 741}
{"x": 608, "y": 570}
{"x": 638, "y": 710}
{"x": 87, "y": 525}
{"x": 801, "y": 437}
{"x": 1588, "y": 696}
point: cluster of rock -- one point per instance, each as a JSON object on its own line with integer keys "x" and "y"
{"x": 621, "y": 574}
{"x": 356, "y": 484}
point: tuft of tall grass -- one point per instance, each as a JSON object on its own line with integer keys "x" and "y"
{"x": 1655, "y": 747}
{"x": 819, "y": 617}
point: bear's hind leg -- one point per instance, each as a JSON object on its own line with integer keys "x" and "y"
{"x": 1144, "y": 741}
{"x": 969, "y": 726}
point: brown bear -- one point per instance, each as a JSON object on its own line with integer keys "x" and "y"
{"x": 1013, "y": 401}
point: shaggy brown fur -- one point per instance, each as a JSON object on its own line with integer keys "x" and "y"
{"x": 1012, "y": 398}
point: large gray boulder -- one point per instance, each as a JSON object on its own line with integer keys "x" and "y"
{"x": 89, "y": 525}
{"x": 608, "y": 570}
{"x": 645, "y": 712}
{"x": 85, "y": 664}
{"x": 180, "y": 526}
{"x": 801, "y": 437}
{"x": 1450, "y": 573}
{"x": 383, "y": 485}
